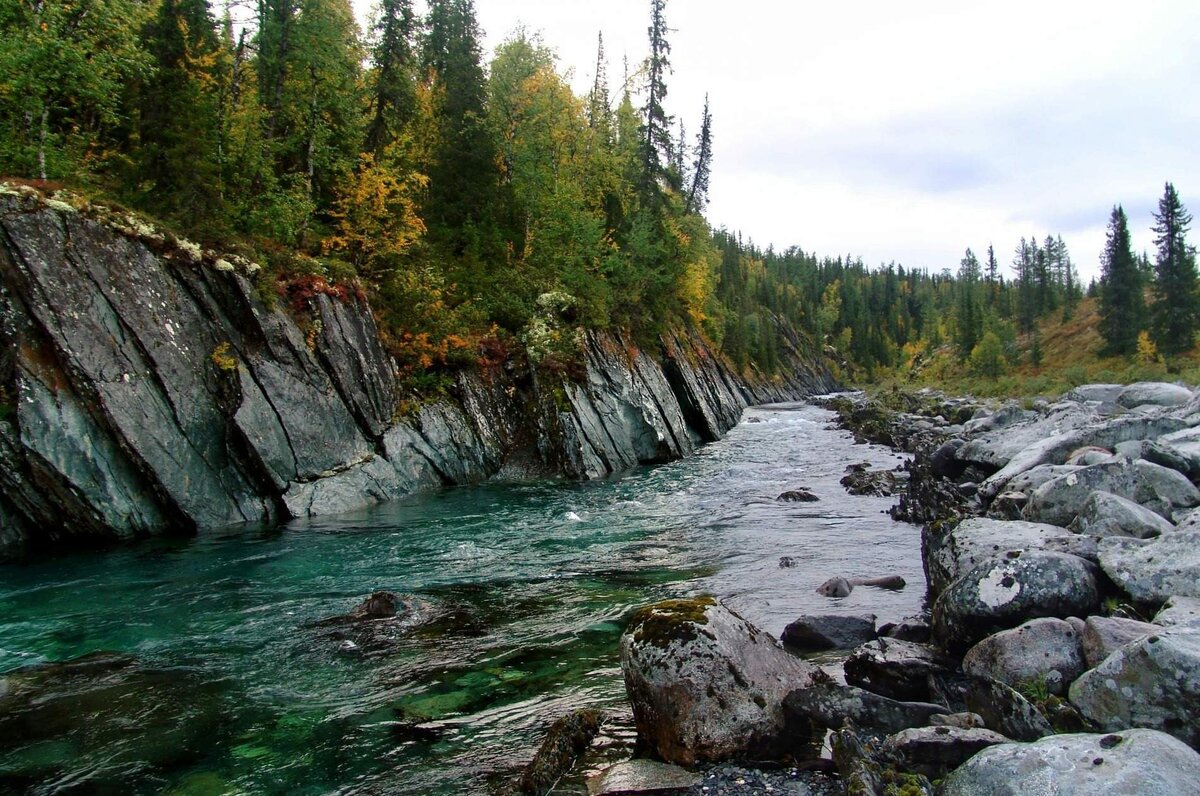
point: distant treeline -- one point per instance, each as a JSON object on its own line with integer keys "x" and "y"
{"x": 483, "y": 204}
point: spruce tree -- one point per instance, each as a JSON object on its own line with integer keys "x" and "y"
{"x": 393, "y": 93}
{"x": 1122, "y": 308}
{"x": 697, "y": 198}
{"x": 656, "y": 124}
{"x": 463, "y": 179}
{"x": 1173, "y": 313}
{"x": 178, "y": 163}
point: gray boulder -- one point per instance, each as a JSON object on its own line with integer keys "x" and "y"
{"x": 1179, "y": 612}
{"x": 1153, "y": 393}
{"x": 1132, "y": 763}
{"x": 1041, "y": 650}
{"x": 998, "y": 447}
{"x": 1030, "y": 480}
{"x": 1163, "y": 490}
{"x": 933, "y": 751}
{"x": 829, "y": 705}
{"x": 1006, "y": 592}
{"x": 1153, "y": 682}
{"x": 1008, "y": 415}
{"x": 1085, "y": 457}
{"x": 828, "y": 632}
{"x": 1152, "y": 570}
{"x": 706, "y": 685}
{"x": 1106, "y": 514}
{"x": 1104, "y": 635}
{"x": 895, "y": 669}
{"x": 976, "y": 540}
{"x": 1055, "y": 449}
{"x": 1095, "y": 393}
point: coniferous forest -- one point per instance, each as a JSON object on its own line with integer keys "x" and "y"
{"x": 485, "y": 206}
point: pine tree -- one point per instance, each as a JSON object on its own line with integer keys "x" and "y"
{"x": 1174, "y": 311}
{"x": 598, "y": 111}
{"x": 1122, "y": 307}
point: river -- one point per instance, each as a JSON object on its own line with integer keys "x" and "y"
{"x": 521, "y": 591}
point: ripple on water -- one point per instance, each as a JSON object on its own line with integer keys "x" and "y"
{"x": 528, "y": 588}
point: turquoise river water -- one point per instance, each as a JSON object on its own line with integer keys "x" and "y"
{"x": 520, "y": 594}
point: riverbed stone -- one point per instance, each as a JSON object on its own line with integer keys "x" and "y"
{"x": 800, "y": 495}
{"x": 1030, "y": 480}
{"x": 815, "y": 633}
{"x": 948, "y": 555}
{"x": 1029, "y": 653}
{"x": 1153, "y": 682}
{"x": 1152, "y": 570}
{"x": 706, "y": 685}
{"x": 1130, "y": 763}
{"x": 1106, "y": 514}
{"x": 896, "y": 669}
{"x": 1153, "y": 393}
{"x": 933, "y": 751}
{"x": 828, "y": 705}
{"x": 1005, "y": 592}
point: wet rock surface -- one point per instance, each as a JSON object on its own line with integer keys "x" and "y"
{"x": 933, "y": 751}
{"x": 828, "y": 705}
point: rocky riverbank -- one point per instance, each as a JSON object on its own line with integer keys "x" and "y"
{"x": 149, "y": 386}
{"x": 1060, "y": 652}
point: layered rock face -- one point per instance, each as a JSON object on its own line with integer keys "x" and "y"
{"x": 147, "y": 388}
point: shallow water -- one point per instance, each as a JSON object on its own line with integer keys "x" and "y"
{"x": 521, "y": 592}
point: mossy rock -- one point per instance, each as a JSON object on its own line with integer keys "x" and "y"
{"x": 671, "y": 621}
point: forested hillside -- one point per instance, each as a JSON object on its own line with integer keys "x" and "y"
{"x": 487, "y": 208}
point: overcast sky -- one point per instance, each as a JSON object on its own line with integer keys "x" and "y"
{"x": 907, "y": 132}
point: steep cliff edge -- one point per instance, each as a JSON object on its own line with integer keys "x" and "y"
{"x": 147, "y": 389}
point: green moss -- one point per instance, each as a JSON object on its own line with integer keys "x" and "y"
{"x": 671, "y": 620}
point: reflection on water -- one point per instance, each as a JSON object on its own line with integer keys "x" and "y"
{"x": 523, "y": 591}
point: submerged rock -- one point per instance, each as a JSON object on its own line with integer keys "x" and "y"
{"x": 105, "y": 719}
{"x": 1131, "y": 763}
{"x": 798, "y": 496}
{"x": 565, "y": 741}
{"x": 706, "y": 685}
{"x": 1006, "y": 592}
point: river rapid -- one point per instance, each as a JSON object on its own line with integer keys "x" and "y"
{"x": 520, "y": 593}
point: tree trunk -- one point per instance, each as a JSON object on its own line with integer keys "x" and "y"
{"x": 42, "y": 132}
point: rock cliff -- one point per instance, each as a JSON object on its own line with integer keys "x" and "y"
{"x": 147, "y": 389}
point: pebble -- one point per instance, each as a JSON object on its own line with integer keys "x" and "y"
{"x": 730, "y": 780}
